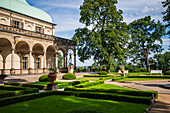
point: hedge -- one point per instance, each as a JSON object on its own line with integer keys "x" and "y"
{"x": 16, "y": 91}
{"x": 167, "y": 73}
{"x": 95, "y": 75}
{"x": 117, "y": 91}
{"x": 64, "y": 85}
{"x": 167, "y": 77}
{"x": 26, "y": 85}
{"x": 94, "y": 95}
{"x": 69, "y": 76}
{"x": 87, "y": 84}
{"x": 103, "y": 73}
{"x": 44, "y": 78}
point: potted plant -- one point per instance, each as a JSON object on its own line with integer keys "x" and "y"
{"x": 52, "y": 75}
{"x": 3, "y": 76}
{"x": 122, "y": 69}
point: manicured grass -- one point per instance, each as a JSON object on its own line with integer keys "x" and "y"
{"x": 64, "y": 104}
{"x": 4, "y": 91}
{"x": 143, "y": 73}
{"x": 108, "y": 86}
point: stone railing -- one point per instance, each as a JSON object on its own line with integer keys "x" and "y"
{"x": 24, "y": 32}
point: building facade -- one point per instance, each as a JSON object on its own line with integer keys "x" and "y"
{"x": 27, "y": 41}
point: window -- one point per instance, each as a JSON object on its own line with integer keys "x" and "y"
{"x": 24, "y": 62}
{"x": 38, "y": 63}
{"x": 16, "y": 24}
{"x": 39, "y": 29}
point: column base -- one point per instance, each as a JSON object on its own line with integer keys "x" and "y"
{"x": 30, "y": 70}
{"x": 12, "y": 71}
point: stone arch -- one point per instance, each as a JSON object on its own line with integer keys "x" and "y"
{"x": 63, "y": 50}
{"x": 50, "y": 56}
{"x": 38, "y": 49}
{"x": 5, "y": 50}
{"x": 29, "y": 27}
{"x": 22, "y": 47}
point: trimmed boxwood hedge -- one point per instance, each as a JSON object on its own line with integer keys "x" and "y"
{"x": 117, "y": 91}
{"x": 103, "y": 73}
{"x": 87, "y": 84}
{"x": 16, "y": 91}
{"x": 44, "y": 78}
{"x": 95, "y": 75}
{"x": 26, "y": 85}
{"x": 167, "y": 73}
{"x": 69, "y": 76}
{"x": 94, "y": 95}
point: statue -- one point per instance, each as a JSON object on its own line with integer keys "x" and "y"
{"x": 70, "y": 59}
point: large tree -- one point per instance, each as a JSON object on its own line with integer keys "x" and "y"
{"x": 144, "y": 34}
{"x": 166, "y": 17}
{"x": 104, "y": 35}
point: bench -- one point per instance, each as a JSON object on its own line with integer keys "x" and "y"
{"x": 156, "y": 71}
{"x": 126, "y": 71}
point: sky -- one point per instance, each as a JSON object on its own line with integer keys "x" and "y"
{"x": 66, "y": 14}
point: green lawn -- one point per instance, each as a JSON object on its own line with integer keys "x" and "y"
{"x": 64, "y": 104}
{"x": 143, "y": 73}
{"x": 108, "y": 86}
{"x": 89, "y": 78}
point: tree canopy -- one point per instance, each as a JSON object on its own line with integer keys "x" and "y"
{"x": 144, "y": 34}
{"x": 104, "y": 35}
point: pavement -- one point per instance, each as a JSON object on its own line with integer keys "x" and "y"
{"x": 162, "y": 104}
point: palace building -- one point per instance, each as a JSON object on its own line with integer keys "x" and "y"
{"x": 27, "y": 41}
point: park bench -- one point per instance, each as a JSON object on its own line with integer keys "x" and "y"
{"x": 126, "y": 71}
{"x": 156, "y": 71}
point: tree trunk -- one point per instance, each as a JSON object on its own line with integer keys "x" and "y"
{"x": 108, "y": 69}
{"x": 147, "y": 61}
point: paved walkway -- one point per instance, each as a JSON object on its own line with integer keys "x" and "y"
{"x": 162, "y": 104}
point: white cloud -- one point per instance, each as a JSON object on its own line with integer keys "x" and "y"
{"x": 166, "y": 41}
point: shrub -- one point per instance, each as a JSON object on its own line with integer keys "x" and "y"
{"x": 87, "y": 84}
{"x": 96, "y": 75}
{"x": 44, "y": 78}
{"x": 85, "y": 111}
{"x": 167, "y": 73}
{"x": 69, "y": 76}
{"x": 103, "y": 73}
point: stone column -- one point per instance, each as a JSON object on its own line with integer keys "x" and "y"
{"x": 21, "y": 65}
{"x": 30, "y": 70}
{"x": 64, "y": 61}
{"x": 12, "y": 71}
{"x": 55, "y": 61}
{"x": 44, "y": 63}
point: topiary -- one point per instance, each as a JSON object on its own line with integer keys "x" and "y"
{"x": 69, "y": 76}
{"x": 44, "y": 78}
{"x": 103, "y": 73}
{"x": 167, "y": 73}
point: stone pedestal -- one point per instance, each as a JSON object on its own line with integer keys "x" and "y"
{"x": 51, "y": 86}
{"x": 70, "y": 69}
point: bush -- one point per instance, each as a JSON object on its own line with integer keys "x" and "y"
{"x": 116, "y": 91}
{"x": 26, "y": 85}
{"x": 167, "y": 73}
{"x": 103, "y": 73}
{"x": 87, "y": 84}
{"x": 69, "y": 76}
{"x": 44, "y": 78}
{"x": 95, "y": 75}
{"x": 85, "y": 111}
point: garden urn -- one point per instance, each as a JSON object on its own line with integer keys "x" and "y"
{"x": 52, "y": 77}
{"x": 122, "y": 70}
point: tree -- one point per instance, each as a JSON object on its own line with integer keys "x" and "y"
{"x": 60, "y": 60}
{"x": 166, "y": 14}
{"x": 104, "y": 35}
{"x": 144, "y": 33}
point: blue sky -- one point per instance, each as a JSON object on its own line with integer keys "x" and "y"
{"x": 66, "y": 14}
